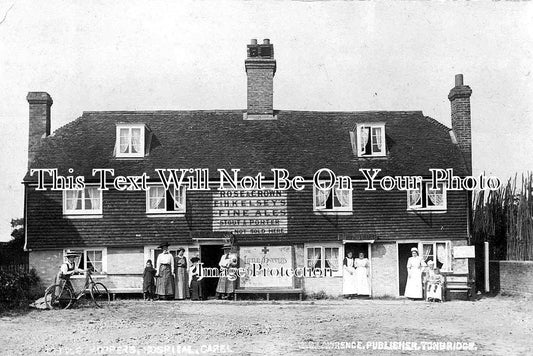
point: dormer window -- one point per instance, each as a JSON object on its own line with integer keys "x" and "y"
{"x": 131, "y": 140}
{"x": 371, "y": 140}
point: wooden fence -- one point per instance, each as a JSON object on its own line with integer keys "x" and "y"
{"x": 15, "y": 268}
{"x": 505, "y": 219}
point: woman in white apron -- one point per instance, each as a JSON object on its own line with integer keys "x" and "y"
{"x": 348, "y": 276}
{"x": 361, "y": 264}
{"x": 415, "y": 265}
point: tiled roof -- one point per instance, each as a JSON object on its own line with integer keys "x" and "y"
{"x": 299, "y": 141}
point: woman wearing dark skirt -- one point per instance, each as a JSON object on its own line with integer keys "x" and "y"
{"x": 195, "y": 279}
{"x": 181, "y": 276}
{"x": 165, "y": 268}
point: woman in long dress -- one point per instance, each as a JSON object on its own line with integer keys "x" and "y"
{"x": 226, "y": 283}
{"x": 434, "y": 286}
{"x": 361, "y": 264}
{"x": 415, "y": 265}
{"x": 348, "y": 276}
{"x": 165, "y": 271}
{"x": 181, "y": 276}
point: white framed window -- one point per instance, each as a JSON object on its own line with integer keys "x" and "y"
{"x": 93, "y": 259}
{"x": 332, "y": 200}
{"x": 439, "y": 252}
{"x": 130, "y": 140}
{"x": 85, "y": 201}
{"x": 324, "y": 256}
{"x": 425, "y": 198}
{"x": 371, "y": 140}
{"x": 162, "y": 201}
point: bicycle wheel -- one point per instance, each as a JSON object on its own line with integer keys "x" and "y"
{"x": 100, "y": 295}
{"x": 58, "y": 297}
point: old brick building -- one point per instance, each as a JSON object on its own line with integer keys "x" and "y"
{"x": 117, "y": 231}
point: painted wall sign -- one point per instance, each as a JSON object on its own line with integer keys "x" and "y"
{"x": 271, "y": 264}
{"x": 250, "y": 211}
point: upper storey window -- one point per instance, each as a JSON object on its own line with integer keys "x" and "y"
{"x": 332, "y": 200}
{"x": 131, "y": 140}
{"x": 87, "y": 201}
{"x": 425, "y": 198}
{"x": 371, "y": 140}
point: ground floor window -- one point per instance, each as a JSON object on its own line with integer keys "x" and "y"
{"x": 438, "y": 252}
{"x": 325, "y": 256}
{"x": 93, "y": 259}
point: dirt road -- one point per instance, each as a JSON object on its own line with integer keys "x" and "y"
{"x": 490, "y": 326}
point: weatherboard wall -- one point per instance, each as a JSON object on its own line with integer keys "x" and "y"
{"x": 377, "y": 215}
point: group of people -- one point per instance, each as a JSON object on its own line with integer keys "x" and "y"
{"x": 419, "y": 274}
{"x": 421, "y": 277}
{"x": 173, "y": 278}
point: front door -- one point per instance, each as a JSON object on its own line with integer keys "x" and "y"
{"x": 404, "y": 252}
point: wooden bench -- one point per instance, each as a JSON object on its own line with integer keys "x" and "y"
{"x": 458, "y": 283}
{"x": 269, "y": 291}
{"x": 115, "y": 291}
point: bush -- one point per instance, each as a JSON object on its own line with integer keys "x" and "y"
{"x": 318, "y": 295}
{"x": 19, "y": 287}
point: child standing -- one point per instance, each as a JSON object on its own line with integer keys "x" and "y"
{"x": 195, "y": 279}
{"x": 149, "y": 281}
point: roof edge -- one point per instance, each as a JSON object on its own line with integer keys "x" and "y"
{"x": 170, "y": 112}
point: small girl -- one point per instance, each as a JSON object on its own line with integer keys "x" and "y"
{"x": 149, "y": 281}
{"x": 195, "y": 279}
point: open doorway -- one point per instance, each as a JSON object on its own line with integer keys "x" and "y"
{"x": 210, "y": 257}
{"x": 357, "y": 248}
{"x": 404, "y": 252}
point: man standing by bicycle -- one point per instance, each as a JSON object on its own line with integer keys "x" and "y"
{"x": 67, "y": 269}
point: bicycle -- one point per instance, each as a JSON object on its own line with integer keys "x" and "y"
{"x": 62, "y": 296}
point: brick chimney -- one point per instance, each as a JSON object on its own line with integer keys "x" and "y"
{"x": 260, "y": 69}
{"x": 40, "y": 104}
{"x": 460, "y": 103}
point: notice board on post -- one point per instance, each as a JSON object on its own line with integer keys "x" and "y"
{"x": 464, "y": 252}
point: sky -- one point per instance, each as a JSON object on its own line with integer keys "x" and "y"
{"x": 331, "y": 56}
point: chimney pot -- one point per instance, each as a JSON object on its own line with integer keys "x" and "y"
{"x": 253, "y": 41}
{"x": 458, "y": 80}
{"x": 260, "y": 70}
